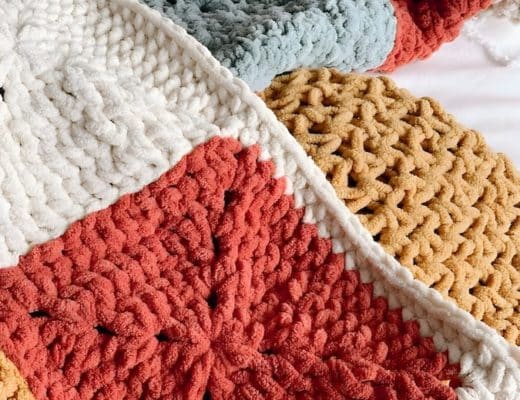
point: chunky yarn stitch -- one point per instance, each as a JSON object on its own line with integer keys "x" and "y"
{"x": 12, "y": 385}
{"x": 258, "y": 39}
{"x": 422, "y": 26}
{"x": 99, "y": 99}
{"x": 429, "y": 190}
{"x": 497, "y": 30}
{"x": 206, "y": 284}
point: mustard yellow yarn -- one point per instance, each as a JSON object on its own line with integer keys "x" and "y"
{"x": 429, "y": 190}
{"x": 12, "y": 385}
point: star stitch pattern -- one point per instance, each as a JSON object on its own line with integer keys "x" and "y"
{"x": 206, "y": 284}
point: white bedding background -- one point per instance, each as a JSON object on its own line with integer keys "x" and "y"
{"x": 477, "y": 79}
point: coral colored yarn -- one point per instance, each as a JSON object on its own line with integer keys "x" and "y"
{"x": 12, "y": 384}
{"x": 207, "y": 284}
{"x": 422, "y": 26}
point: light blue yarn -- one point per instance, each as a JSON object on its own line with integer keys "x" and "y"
{"x": 259, "y": 39}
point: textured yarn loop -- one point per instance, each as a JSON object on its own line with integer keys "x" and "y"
{"x": 429, "y": 190}
{"x": 102, "y": 98}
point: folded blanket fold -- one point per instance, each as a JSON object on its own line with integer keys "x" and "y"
{"x": 423, "y": 26}
{"x": 428, "y": 189}
{"x": 163, "y": 236}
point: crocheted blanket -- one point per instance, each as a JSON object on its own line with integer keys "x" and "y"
{"x": 164, "y": 236}
{"x": 507, "y": 8}
{"x": 259, "y": 39}
{"x": 427, "y": 189}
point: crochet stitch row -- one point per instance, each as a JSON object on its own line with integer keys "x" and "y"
{"x": 108, "y": 114}
{"x": 259, "y": 39}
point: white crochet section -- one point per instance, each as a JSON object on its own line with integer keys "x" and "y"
{"x": 101, "y": 97}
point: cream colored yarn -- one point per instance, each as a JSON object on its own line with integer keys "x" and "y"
{"x": 12, "y": 385}
{"x": 429, "y": 190}
{"x": 507, "y": 8}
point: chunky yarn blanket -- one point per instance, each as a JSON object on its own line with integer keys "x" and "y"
{"x": 427, "y": 189}
{"x": 163, "y": 236}
{"x": 258, "y": 39}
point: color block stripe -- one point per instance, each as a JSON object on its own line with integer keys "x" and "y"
{"x": 208, "y": 283}
{"x": 259, "y": 39}
{"x": 423, "y": 26}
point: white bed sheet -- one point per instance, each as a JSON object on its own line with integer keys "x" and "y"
{"x": 480, "y": 92}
